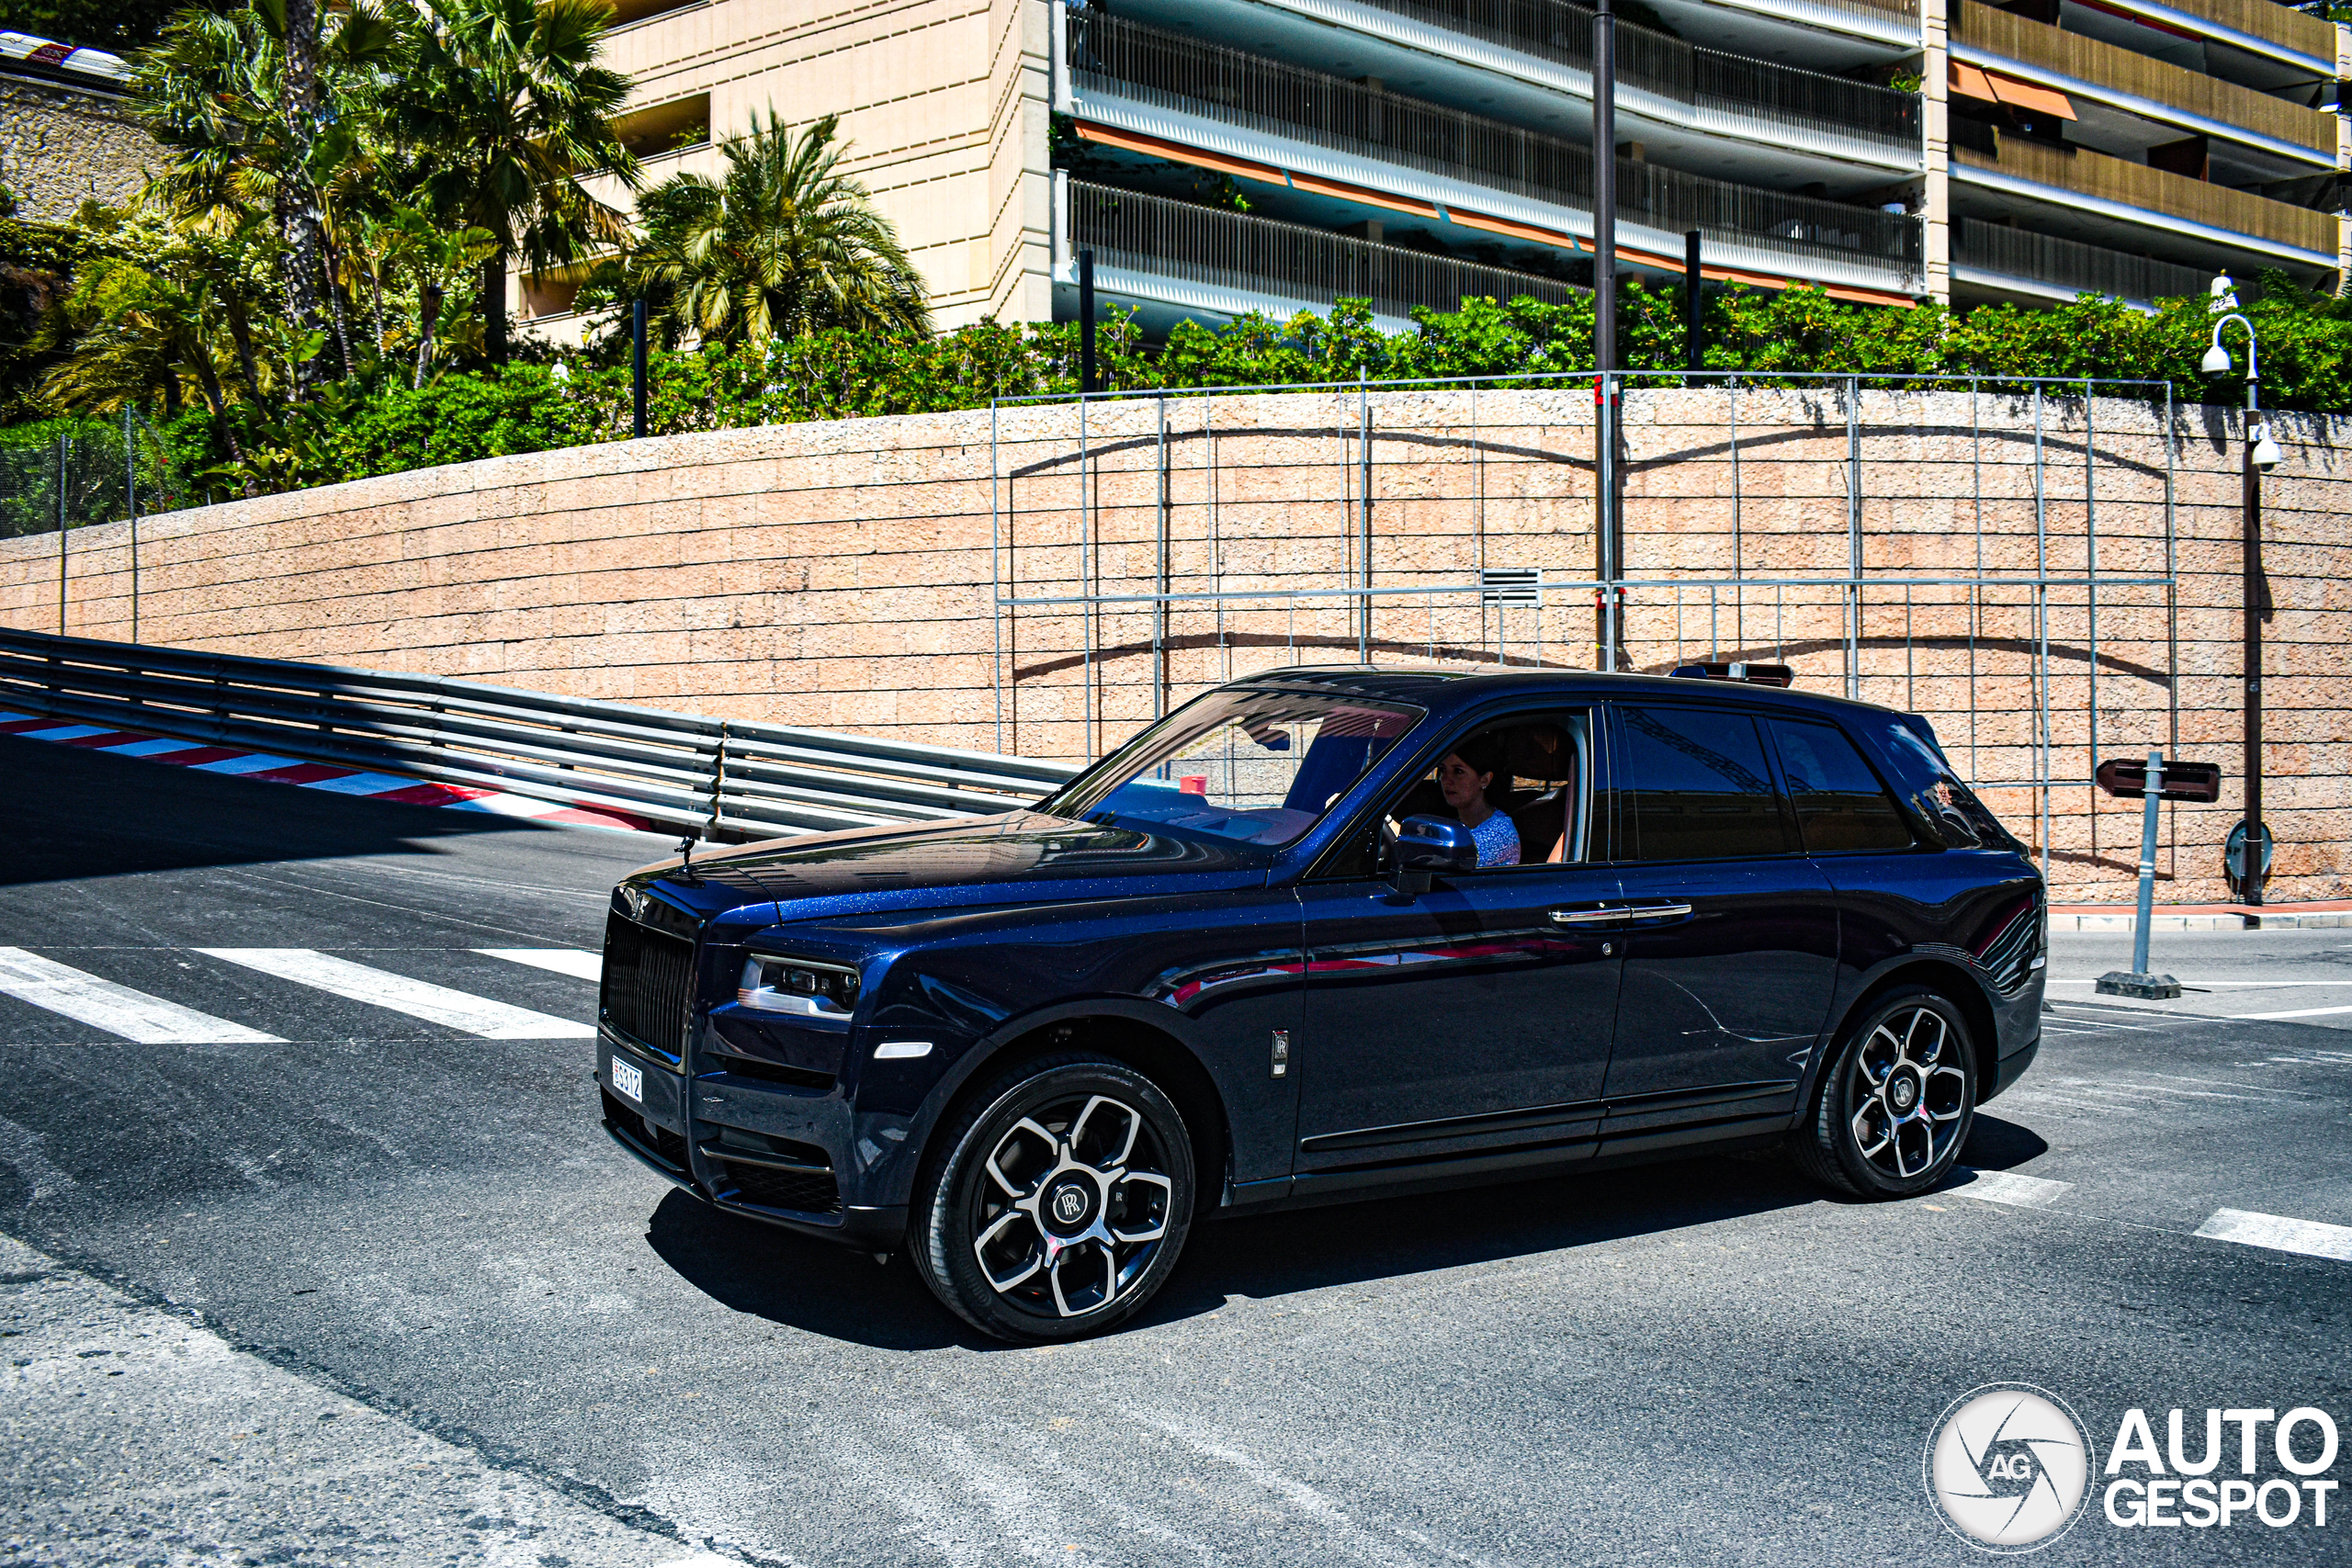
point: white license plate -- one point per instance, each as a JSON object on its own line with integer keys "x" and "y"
{"x": 628, "y": 1080}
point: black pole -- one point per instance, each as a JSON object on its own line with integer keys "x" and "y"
{"x": 2250, "y": 886}
{"x": 1086, "y": 382}
{"x": 1694, "y": 336}
{"x": 1604, "y": 327}
{"x": 637, "y": 366}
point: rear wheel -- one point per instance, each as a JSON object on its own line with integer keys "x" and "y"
{"x": 1060, "y": 1202}
{"x": 1893, "y": 1109}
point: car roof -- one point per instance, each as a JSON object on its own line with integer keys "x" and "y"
{"x": 1446, "y": 692}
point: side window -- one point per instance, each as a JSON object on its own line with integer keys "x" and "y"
{"x": 1535, "y": 807}
{"x": 1841, "y": 807}
{"x": 1695, "y": 786}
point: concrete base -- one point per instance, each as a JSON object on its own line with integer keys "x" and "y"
{"x": 2147, "y": 987}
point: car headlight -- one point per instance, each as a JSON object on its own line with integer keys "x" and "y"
{"x": 798, "y": 986}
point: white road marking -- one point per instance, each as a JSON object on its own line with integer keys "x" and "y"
{"x": 2279, "y": 1233}
{"x": 2217, "y": 985}
{"x": 362, "y": 783}
{"x": 418, "y": 998}
{"x": 117, "y": 1010}
{"x": 249, "y": 765}
{"x": 2296, "y": 1012}
{"x": 66, "y": 732}
{"x": 572, "y": 961}
{"x": 153, "y": 748}
{"x": 2006, "y": 1187}
{"x": 2098, "y": 1022}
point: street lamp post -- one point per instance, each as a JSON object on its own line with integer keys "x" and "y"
{"x": 1607, "y": 543}
{"x": 2260, "y": 452}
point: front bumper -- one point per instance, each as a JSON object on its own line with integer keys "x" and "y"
{"x": 765, "y": 1151}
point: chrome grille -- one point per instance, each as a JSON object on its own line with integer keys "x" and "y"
{"x": 649, "y": 985}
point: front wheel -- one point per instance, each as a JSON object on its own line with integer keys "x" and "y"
{"x": 1063, "y": 1196}
{"x": 1893, "y": 1109}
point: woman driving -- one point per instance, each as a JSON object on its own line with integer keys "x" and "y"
{"x": 1463, "y": 778}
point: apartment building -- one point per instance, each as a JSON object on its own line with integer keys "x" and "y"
{"x": 1223, "y": 155}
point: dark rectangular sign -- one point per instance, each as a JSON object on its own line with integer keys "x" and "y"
{"x": 2183, "y": 781}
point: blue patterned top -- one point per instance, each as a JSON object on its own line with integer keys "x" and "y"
{"x": 1498, "y": 841}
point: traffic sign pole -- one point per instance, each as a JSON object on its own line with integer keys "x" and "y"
{"x": 2139, "y": 982}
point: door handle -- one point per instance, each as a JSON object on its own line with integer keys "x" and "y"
{"x": 1656, "y": 911}
{"x": 1588, "y": 917}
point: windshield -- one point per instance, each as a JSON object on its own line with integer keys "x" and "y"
{"x": 1250, "y": 767}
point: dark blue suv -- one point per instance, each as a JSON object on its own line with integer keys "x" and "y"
{"x": 1323, "y": 932}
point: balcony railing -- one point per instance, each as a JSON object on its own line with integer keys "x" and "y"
{"x": 1287, "y": 261}
{"x": 1662, "y": 64}
{"x": 2265, "y": 20}
{"x": 2069, "y": 265}
{"x": 1122, "y": 59}
{"x": 2017, "y": 37}
{"x": 2156, "y": 191}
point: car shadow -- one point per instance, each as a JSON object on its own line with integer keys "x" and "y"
{"x": 821, "y": 1288}
{"x": 1996, "y": 1144}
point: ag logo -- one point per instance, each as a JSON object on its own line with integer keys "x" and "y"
{"x": 2007, "y": 1467}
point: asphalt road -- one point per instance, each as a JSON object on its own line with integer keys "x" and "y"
{"x": 376, "y": 1288}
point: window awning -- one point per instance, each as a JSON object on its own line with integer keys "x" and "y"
{"x": 1992, "y": 87}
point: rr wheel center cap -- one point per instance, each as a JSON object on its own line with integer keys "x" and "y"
{"x": 1069, "y": 1207}
{"x": 1903, "y": 1092}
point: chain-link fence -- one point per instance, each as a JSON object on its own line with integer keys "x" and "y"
{"x": 69, "y": 474}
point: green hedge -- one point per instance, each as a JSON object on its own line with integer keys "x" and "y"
{"x": 356, "y": 432}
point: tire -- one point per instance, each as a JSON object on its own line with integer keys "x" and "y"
{"x": 1058, "y": 1201}
{"x": 1893, "y": 1111}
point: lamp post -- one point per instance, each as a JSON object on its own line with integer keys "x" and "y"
{"x": 1607, "y": 542}
{"x": 2261, "y": 452}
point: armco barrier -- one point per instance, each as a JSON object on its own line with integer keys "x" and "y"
{"x": 723, "y": 778}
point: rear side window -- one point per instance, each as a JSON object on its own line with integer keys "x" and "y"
{"x": 1697, "y": 787}
{"x": 1841, "y": 807}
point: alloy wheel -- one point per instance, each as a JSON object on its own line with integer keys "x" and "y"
{"x": 1909, "y": 1093}
{"x": 1074, "y": 1204}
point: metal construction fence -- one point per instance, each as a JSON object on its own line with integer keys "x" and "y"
{"x": 71, "y": 474}
{"x": 717, "y": 778}
{"x": 2003, "y": 559}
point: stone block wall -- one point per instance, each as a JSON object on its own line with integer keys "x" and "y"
{"x": 840, "y": 575}
{"x": 62, "y": 145}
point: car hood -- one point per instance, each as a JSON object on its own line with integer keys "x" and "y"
{"x": 1021, "y": 857}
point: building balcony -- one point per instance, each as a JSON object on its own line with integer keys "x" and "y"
{"x": 1662, "y": 81}
{"x": 2264, "y": 28}
{"x": 2112, "y": 197}
{"x": 2020, "y": 262}
{"x": 1174, "y": 259}
{"x": 1360, "y": 146}
{"x": 2283, "y": 138}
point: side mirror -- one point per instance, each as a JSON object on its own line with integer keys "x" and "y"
{"x": 1427, "y": 844}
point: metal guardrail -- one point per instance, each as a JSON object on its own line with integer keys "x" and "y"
{"x": 1117, "y": 58}
{"x": 1259, "y": 255}
{"x": 723, "y": 778}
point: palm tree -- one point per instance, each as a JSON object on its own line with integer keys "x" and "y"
{"x": 785, "y": 245}
{"x": 239, "y": 112}
{"x": 510, "y": 111}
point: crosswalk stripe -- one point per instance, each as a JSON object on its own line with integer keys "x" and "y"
{"x": 572, "y": 961}
{"x": 2008, "y": 1186}
{"x": 2279, "y": 1233}
{"x": 117, "y": 1010}
{"x": 418, "y": 998}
